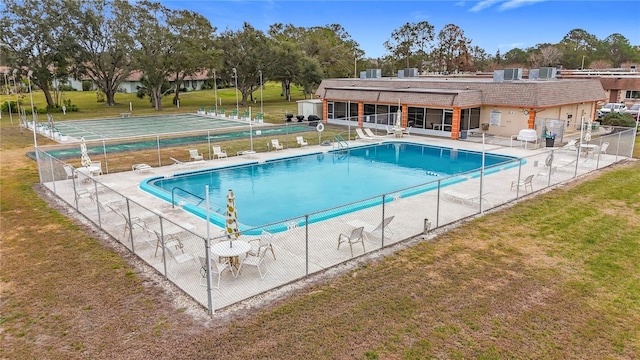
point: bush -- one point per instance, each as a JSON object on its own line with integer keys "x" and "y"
{"x": 86, "y": 85}
{"x": 100, "y": 96}
{"x": 5, "y": 107}
{"x": 63, "y": 87}
{"x": 617, "y": 119}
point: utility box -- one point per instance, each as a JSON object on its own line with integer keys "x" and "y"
{"x": 309, "y": 107}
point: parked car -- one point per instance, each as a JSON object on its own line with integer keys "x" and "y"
{"x": 633, "y": 110}
{"x": 611, "y": 107}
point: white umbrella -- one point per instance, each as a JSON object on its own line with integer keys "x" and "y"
{"x": 587, "y": 136}
{"x": 232, "y": 217}
{"x": 84, "y": 159}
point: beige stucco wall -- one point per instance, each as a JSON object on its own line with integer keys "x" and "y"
{"x": 512, "y": 120}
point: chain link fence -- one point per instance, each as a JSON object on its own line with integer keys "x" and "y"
{"x": 181, "y": 246}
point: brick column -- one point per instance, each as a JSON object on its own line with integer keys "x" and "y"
{"x": 360, "y": 113}
{"x": 405, "y": 115}
{"x": 325, "y": 111}
{"x": 531, "y": 122}
{"x": 455, "y": 123}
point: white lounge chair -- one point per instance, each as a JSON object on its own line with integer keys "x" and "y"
{"x": 465, "y": 199}
{"x": 264, "y": 240}
{"x": 301, "y": 141}
{"x": 383, "y": 225}
{"x": 218, "y": 153}
{"x": 407, "y": 131}
{"x": 70, "y": 171}
{"x": 141, "y": 168}
{"x": 275, "y": 145}
{"x": 179, "y": 259}
{"x": 603, "y": 149}
{"x": 389, "y": 131}
{"x": 371, "y": 134}
{"x": 194, "y": 155}
{"x": 362, "y": 136}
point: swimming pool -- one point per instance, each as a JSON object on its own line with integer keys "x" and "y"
{"x": 286, "y": 188}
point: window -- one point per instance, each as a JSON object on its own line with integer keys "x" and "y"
{"x": 632, "y": 94}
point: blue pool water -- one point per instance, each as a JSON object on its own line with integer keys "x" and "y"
{"x": 292, "y": 187}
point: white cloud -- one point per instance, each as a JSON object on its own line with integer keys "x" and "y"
{"x": 481, "y": 5}
{"x": 514, "y": 4}
{"x": 511, "y": 46}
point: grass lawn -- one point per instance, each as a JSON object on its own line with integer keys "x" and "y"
{"x": 553, "y": 277}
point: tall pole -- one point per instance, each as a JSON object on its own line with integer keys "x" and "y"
{"x": 215, "y": 90}
{"x": 261, "y": 110}
{"x": 355, "y": 67}
{"x": 235, "y": 75}
{"x": 8, "y": 102}
{"x": 33, "y": 112}
{"x": 582, "y": 66}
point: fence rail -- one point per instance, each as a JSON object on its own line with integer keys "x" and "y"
{"x": 181, "y": 246}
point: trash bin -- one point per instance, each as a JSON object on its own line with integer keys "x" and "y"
{"x": 485, "y": 126}
{"x": 463, "y": 134}
{"x": 550, "y": 142}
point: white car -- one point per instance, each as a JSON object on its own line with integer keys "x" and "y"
{"x": 633, "y": 110}
{"x": 611, "y": 107}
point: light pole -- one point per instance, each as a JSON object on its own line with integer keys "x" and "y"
{"x": 261, "y": 111}
{"x": 582, "y": 66}
{"x": 8, "y": 102}
{"x": 215, "y": 90}
{"x": 235, "y": 75}
{"x": 33, "y": 111}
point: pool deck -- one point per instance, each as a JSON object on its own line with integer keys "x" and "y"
{"x": 293, "y": 260}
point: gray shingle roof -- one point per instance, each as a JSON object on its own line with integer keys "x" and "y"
{"x": 464, "y": 92}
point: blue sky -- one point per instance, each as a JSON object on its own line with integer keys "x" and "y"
{"x": 490, "y": 24}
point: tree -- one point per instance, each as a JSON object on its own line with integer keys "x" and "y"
{"x": 101, "y": 30}
{"x": 247, "y": 51}
{"x": 578, "y": 48}
{"x": 155, "y": 52}
{"x": 515, "y": 57}
{"x": 453, "y": 49}
{"x": 617, "y": 49}
{"x": 411, "y": 39}
{"x": 33, "y": 32}
{"x": 193, "y": 39}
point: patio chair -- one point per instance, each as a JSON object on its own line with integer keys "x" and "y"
{"x": 98, "y": 165}
{"x": 255, "y": 261}
{"x": 570, "y": 146}
{"x": 194, "y": 155}
{"x": 169, "y": 241}
{"x": 389, "y": 130}
{"x": 264, "y": 240}
{"x": 407, "y": 131}
{"x": 603, "y": 149}
{"x": 218, "y": 153}
{"x": 301, "y": 141}
{"x": 216, "y": 268}
{"x": 355, "y": 237}
{"x": 71, "y": 174}
{"x": 275, "y": 145}
{"x": 527, "y": 182}
{"x": 179, "y": 259}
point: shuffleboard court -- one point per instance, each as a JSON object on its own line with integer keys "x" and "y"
{"x": 115, "y": 128}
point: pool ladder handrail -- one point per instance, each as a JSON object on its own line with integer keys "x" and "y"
{"x": 342, "y": 143}
{"x": 188, "y": 192}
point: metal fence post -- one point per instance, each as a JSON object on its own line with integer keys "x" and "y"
{"x": 130, "y": 224}
{"x": 95, "y": 187}
{"x": 158, "y": 143}
{"x": 53, "y": 175}
{"x": 306, "y": 239}
{"x": 164, "y": 258}
{"x": 438, "y": 203}
{"x": 383, "y": 206}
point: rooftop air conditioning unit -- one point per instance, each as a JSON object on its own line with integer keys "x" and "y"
{"x": 400, "y": 73}
{"x": 534, "y": 74}
{"x": 547, "y": 73}
{"x": 512, "y": 74}
{"x": 363, "y": 74}
{"x": 411, "y": 72}
{"x": 498, "y": 75}
{"x": 374, "y": 73}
